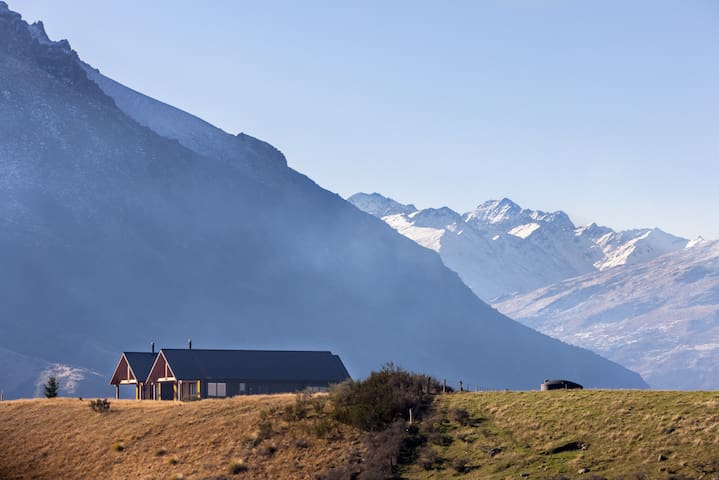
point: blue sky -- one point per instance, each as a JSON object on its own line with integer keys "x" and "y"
{"x": 608, "y": 110}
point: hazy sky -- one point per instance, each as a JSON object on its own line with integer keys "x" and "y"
{"x": 608, "y": 110}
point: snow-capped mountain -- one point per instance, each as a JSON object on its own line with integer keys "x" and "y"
{"x": 501, "y": 249}
{"x": 644, "y": 298}
{"x": 660, "y": 317}
{"x": 124, "y": 220}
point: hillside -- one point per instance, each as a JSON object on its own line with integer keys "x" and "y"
{"x": 646, "y": 299}
{"x": 575, "y": 434}
{"x": 660, "y": 318}
{"x": 124, "y": 220}
{"x": 64, "y": 438}
{"x": 626, "y": 434}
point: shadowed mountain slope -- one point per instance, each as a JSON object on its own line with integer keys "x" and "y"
{"x": 115, "y": 231}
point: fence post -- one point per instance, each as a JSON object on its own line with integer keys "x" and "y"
{"x": 444, "y": 386}
{"x": 460, "y": 386}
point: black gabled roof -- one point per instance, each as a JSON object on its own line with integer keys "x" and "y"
{"x": 140, "y": 363}
{"x": 250, "y": 365}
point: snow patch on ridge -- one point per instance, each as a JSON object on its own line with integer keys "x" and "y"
{"x": 523, "y": 231}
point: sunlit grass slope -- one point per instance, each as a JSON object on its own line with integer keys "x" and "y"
{"x": 604, "y": 434}
{"x": 564, "y": 434}
{"x": 244, "y": 437}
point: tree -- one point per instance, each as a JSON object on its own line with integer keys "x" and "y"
{"x": 51, "y": 387}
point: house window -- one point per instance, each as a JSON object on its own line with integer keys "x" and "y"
{"x": 243, "y": 387}
{"x": 216, "y": 389}
{"x": 193, "y": 389}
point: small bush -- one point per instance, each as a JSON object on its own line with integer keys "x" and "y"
{"x": 235, "y": 468}
{"x": 385, "y": 396}
{"x": 461, "y": 416}
{"x": 172, "y": 461}
{"x": 299, "y": 410}
{"x": 100, "y": 406}
{"x": 321, "y": 428}
{"x": 160, "y": 452}
{"x": 428, "y": 458}
{"x": 460, "y": 465}
{"x": 117, "y": 447}
{"x": 301, "y": 443}
{"x": 269, "y": 450}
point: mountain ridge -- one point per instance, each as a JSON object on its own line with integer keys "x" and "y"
{"x": 114, "y": 235}
{"x": 524, "y": 249}
{"x": 623, "y": 296}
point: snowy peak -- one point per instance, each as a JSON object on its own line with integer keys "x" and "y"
{"x": 500, "y": 248}
{"x": 495, "y": 211}
{"x": 436, "y": 218}
{"x": 379, "y": 205}
{"x": 636, "y": 246}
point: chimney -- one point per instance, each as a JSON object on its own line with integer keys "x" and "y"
{"x": 152, "y": 346}
{"x": 189, "y": 344}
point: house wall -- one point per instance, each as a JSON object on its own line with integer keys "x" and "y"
{"x": 233, "y": 387}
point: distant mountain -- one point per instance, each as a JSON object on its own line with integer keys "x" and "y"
{"x": 500, "y": 249}
{"x": 125, "y": 220}
{"x": 660, "y": 317}
{"x": 643, "y": 298}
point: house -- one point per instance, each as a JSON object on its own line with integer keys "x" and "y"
{"x": 189, "y": 374}
{"x": 132, "y": 369}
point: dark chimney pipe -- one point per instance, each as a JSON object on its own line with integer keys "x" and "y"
{"x": 152, "y": 344}
{"x": 189, "y": 343}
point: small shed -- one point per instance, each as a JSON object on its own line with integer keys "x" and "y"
{"x": 559, "y": 385}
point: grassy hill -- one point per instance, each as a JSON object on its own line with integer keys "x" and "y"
{"x": 211, "y": 439}
{"x": 605, "y": 434}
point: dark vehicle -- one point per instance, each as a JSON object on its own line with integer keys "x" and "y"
{"x": 559, "y": 385}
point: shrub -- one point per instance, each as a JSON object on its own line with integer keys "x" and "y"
{"x": 117, "y": 447}
{"x": 385, "y": 396}
{"x": 100, "y": 406}
{"x": 459, "y": 465}
{"x": 461, "y": 416}
{"x": 237, "y": 467}
{"x": 160, "y": 452}
{"x": 172, "y": 461}
{"x": 269, "y": 450}
{"x": 428, "y": 458}
{"x": 299, "y": 409}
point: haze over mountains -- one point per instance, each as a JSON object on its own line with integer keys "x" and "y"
{"x": 644, "y": 298}
{"x": 124, "y": 220}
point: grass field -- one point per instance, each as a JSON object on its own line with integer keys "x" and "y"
{"x": 244, "y": 437}
{"x": 605, "y": 434}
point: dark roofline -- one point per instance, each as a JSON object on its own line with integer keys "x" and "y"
{"x": 124, "y": 355}
{"x": 243, "y": 350}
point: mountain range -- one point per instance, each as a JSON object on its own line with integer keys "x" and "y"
{"x": 644, "y": 298}
{"x": 124, "y": 220}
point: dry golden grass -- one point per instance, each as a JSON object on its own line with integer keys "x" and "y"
{"x": 629, "y": 434}
{"x": 243, "y": 437}
{"x": 626, "y": 432}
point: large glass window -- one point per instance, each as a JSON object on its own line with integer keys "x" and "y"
{"x": 216, "y": 389}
